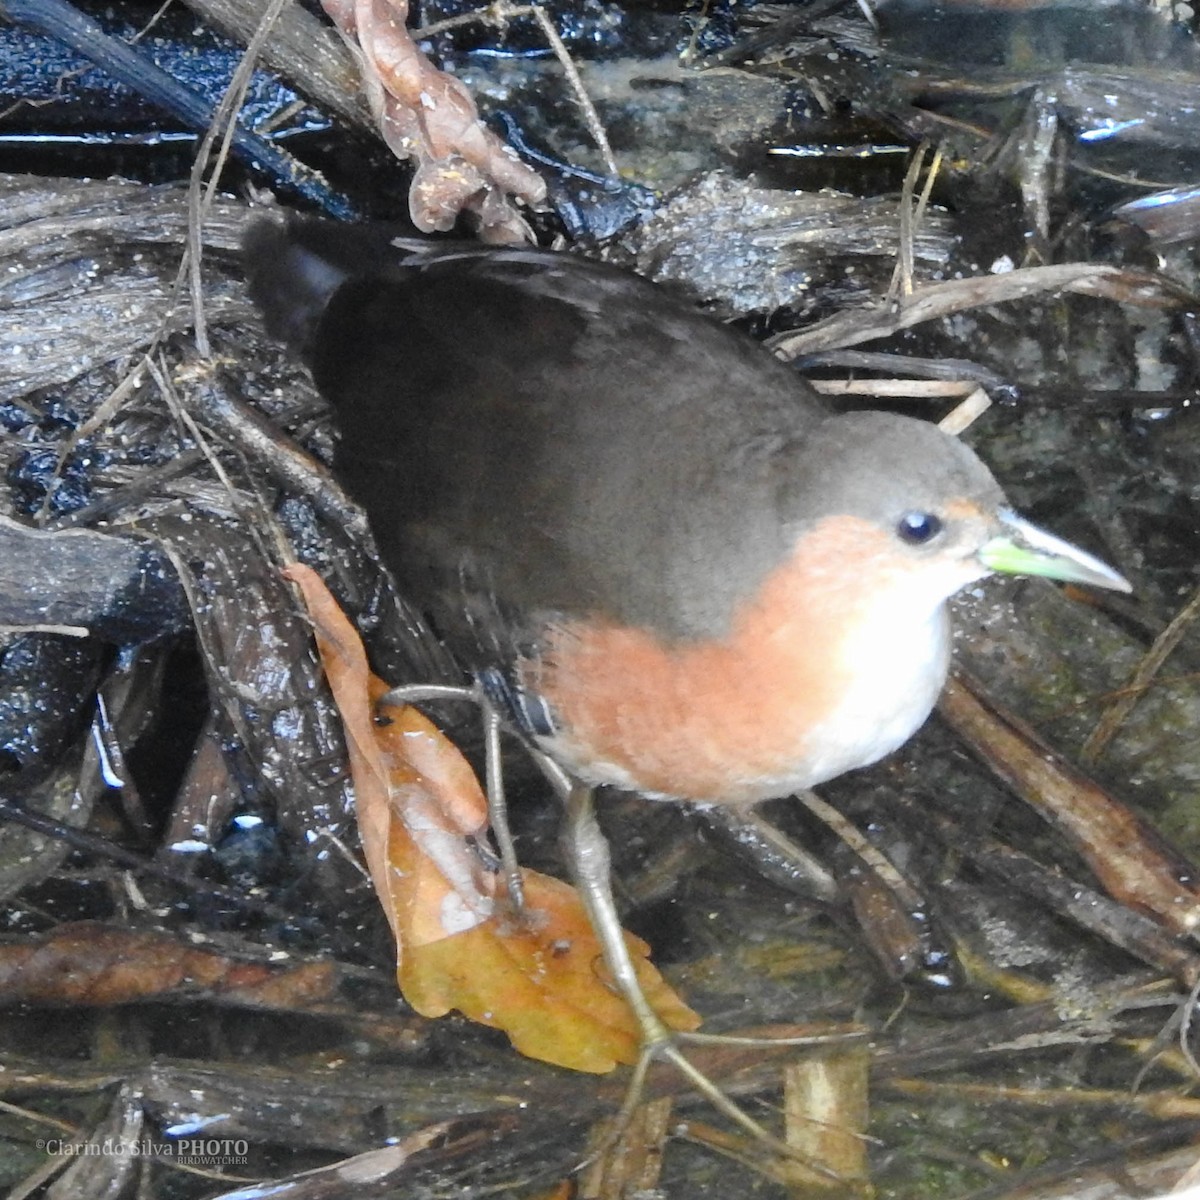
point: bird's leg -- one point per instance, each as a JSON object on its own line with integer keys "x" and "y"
{"x": 493, "y": 769}
{"x": 591, "y": 868}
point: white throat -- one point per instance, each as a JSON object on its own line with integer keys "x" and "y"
{"x": 896, "y": 673}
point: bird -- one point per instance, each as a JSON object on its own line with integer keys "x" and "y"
{"x": 685, "y": 574}
{"x": 673, "y": 567}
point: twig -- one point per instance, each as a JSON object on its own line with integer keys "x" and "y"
{"x": 912, "y": 213}
{"x": 906, "y": 389}
{"x": 590, "y": 115}
{"x": 1124, "y": 853}
{"x": 853, "y": 837}
{"x": 964, "y": 414}
{"x": 1186, "y": 1016}
{"x": 902, "y": 275}
{"x": 498, "y": 14}
{"x": 224, "y": 123}
{"x": 1116, "y": 714}
{"x": 79, "y": 631}
{"x": 62, "y": 21}
{"x": 1163, "y": 1106}
{"x": 101, "y": 847}
{"x": 943, "y": 299}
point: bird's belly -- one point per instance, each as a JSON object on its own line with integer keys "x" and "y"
{"x": 730, "y": 723}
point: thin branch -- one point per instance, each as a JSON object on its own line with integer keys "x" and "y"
{"x": 590, "y": 115}
{"x": 1164, "y": 646}
{"x": 224, "y": 123}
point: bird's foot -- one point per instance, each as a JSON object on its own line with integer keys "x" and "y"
{"x": 791, "y": 1160}
{"x": 668, "y": 1050}
{"x": 589, "y": 855}
{"x": 493, "y": 772}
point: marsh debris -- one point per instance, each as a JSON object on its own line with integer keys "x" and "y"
{"x": 169, "y": 739}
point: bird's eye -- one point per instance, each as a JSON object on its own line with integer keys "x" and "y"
{"x": 917, "y": 528}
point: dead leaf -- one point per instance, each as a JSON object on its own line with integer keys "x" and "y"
{"x": 539, "y": 974}
{"x": 430, "y": 116}
{"x": 88, "y": 963}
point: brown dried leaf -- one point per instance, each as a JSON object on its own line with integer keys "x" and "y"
{"x": 430, "y": 116}
{"x": 539, "y": 974}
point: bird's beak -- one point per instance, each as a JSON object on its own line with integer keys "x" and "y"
{"x": 1024, "y": 549}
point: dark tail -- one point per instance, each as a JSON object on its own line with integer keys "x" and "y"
{"x": 294, "y": 266}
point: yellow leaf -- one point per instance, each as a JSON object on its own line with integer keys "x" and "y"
{"x": 538, "y": 974}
